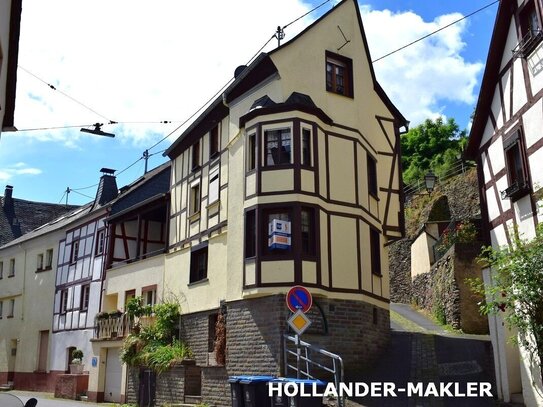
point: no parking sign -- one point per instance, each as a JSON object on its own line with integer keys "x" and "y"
{"x": 299, "y": 298}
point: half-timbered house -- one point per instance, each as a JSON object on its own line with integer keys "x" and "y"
{"x": 137, "y": 238}
{"x": 506, "y": 141}
{"x": 304, "y": 140}
{"x": 78, "y": 278}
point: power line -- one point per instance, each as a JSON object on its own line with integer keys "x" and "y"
{"x": 231, "y": 79}
{"x": 435, "y": 32}
{"x": 309, "y": 12}
{"x": 86, "y": 196}
{"x": 207, "y": 102}
{"x": 66, "y": 95}
{"x": 81, "y": 189}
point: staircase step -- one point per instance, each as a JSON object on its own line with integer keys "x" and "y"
{"x": 193, "y": 399}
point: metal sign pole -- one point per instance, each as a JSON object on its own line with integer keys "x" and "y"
{"x": 298, "y": 354}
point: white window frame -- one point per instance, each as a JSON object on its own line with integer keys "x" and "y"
{"x": 195, "y": 202}
{"x": 85, "y": 297}
{"x": 49, "y": 258}
{"x": 11, "y": 310}
{"x": 63, "y": 301}
{"x": 39, "y": 261}
{"x": 214, "y": 189}
{"x": 11, "y": 268}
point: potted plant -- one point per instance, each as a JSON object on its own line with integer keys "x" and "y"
{"x": 76, "y": 366}
{"x": 115, "y": 314}
{"x": 102, "y": 315}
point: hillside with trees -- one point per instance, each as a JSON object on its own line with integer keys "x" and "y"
{"x": 431, "y": 146}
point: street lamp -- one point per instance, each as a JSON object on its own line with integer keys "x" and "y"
{"x": 430, "y": 181}
{"x": 97, "y": 131}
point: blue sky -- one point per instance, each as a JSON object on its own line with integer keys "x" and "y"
{"x": 140, "y": 63}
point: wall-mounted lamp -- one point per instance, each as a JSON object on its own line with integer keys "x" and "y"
{"x": 430, "y": 181}
{"x": 97, "y": 131}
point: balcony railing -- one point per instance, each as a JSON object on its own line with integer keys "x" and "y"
{"x": 114, "y": 327}
{"x": 528, "y": 43}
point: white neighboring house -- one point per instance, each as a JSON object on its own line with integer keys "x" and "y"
{"x": 78, "y": 279}
{"x": 506, "y": 139}
{"x": 27, "y": 285}
{"x": 10, "y": 25}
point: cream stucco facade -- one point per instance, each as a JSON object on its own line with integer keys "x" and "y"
{"x": 344, "y": 132}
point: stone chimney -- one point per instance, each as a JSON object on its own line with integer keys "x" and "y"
{"x": 107, "y": 189}
{"x": 7, "y": 202}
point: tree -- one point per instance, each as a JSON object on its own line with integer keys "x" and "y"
{"x": 517, "y": 290}
{"x": 431, "y": 146}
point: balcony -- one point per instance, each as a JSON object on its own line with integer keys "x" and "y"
{"x": 517, "y": 190}
{"x": 111, "y": 326}
{"x": 528, "y": 43}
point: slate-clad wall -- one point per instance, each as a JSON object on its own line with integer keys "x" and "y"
{"x": 355, "y": 330}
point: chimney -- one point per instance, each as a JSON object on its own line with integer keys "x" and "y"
{"x": 107, "y": 189}
{"x": 7, "y": 202}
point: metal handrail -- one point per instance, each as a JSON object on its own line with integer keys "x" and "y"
{"x": 337, "y": 362}
{"x": 460, "y": 167}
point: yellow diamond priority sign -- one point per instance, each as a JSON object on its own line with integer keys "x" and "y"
{"x": 299, "y": 322}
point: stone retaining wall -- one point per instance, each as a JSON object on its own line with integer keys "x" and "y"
{"x": 446, "y": 294}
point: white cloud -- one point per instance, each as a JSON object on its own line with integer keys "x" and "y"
{"x": 135, "y": 60}
{"x": 140, "y": 61}
{"x": 423, "y": 77}
{"x": 17, "y": 169}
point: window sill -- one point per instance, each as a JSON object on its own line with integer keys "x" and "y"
{"x": 340, "y": 94}
{"x": 377, "y": 274}
{"x": 195, "y": 283}
{"x": 9, "y": 317}
{"x": 194, "y": 217}
{"x": 11, "y": 275}
{"x": 374, "y": 196}
{"x": 282, "y": 166}
{"x": 213, "y": 204}
{"x": 196, "y": 168}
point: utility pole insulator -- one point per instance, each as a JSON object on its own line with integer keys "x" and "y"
{"x": 279, "y": 34}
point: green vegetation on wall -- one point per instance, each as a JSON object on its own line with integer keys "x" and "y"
{"x": 152, "y": 342}
{"x": 516, "y": 292}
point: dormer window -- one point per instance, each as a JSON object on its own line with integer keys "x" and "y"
{"x": 339, "y": 74}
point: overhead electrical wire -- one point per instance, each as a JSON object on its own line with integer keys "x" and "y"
{"x": 66, "y": 95}
{"x": 435, "y": 32}
{"x": 231, "y": 79}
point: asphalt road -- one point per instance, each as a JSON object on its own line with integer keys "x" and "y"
{"x": 45, "y": 400}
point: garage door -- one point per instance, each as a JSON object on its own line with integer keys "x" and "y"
{"x": 112, "y": 390}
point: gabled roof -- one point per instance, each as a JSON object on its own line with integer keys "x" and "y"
{"x": 490, "y": 77}
{"x": 18, "y": 216}
{"x": 376, "y": 86}
{"x": 252, "y": 75}
{"x": 260, "y": 69}
{"x": 150, "y": 187}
